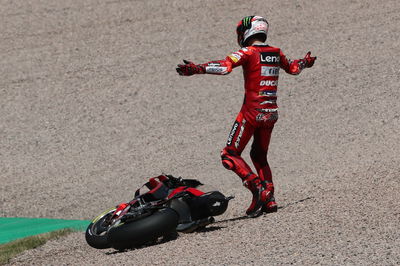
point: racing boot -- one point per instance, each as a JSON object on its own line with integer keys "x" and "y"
{"x": 271, "y": 205}
{"x": 261, "y": 195}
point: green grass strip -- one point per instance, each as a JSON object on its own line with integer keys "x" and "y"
{"x": 15, "y": 227}
{"x": 11, "y": 249}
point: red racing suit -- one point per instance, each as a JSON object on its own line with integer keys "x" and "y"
{"x": 261, "y": 65}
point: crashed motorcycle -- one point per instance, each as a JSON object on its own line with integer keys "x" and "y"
{"x": 169, "y": 205}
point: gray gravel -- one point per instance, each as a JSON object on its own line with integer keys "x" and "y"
{"x": 91, "y": 106}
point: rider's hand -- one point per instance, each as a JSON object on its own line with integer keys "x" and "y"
{"x": 309, "y": 60}
{"x": 189, "y": 68}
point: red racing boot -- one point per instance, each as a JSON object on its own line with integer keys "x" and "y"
{"x": 271, "y": 205}
{"x": 261, "y": 195}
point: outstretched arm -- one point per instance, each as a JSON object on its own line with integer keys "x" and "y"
{"x": 296, "y": 66}
{"x": 220, "y": 67}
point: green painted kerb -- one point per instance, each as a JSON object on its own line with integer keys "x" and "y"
{"x": 14, "y": 228}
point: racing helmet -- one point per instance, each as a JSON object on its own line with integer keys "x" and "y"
{"x": 250, "y": 26}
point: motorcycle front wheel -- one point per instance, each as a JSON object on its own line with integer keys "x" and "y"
{"x": 96, "y": 232}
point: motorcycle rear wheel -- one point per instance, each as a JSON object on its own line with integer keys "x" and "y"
{"x": 161, "y": 223}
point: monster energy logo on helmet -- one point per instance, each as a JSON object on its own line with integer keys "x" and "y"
{"x": 246, "y": 22}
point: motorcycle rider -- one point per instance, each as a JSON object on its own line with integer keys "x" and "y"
{"x": 259, "y": 112}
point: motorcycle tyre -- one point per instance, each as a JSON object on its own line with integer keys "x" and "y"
{"x": 98, "y": 239}
{"x": 162, "y": 222}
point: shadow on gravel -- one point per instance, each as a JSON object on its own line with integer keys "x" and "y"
{"x": 233, "y": 219}
{"x": 246, "y": 217}
{"x": 296, "y": 202}
{"x": 209, "y": 229}
{"x": 172, "y": 237}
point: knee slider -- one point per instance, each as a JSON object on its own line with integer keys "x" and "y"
{"x": 227, "y": 161}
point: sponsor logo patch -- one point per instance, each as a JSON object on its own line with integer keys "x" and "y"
{"x": 232, "y": 133}
{"x": 235, "y": 57}
{"x": 216, "y": 69}
{"x": 269, "y": 83}
{"x": 240, "y": 134}
{"x": 268, "y": 102}
{"x": 267, "y": 71}
{"x": 270, "y": 117}
{"x": 269, "y": 58}
{"x": 267, "y": 93}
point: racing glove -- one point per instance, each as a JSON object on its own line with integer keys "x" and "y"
{"x": 189, "y": 68}
{"x": 308, "y": 60}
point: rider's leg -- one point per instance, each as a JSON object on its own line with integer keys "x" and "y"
{"x": 258, "y": 154}
{"x": 231, "y": 158}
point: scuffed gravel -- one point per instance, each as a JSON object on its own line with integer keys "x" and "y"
{"x": 91, "y": 105}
